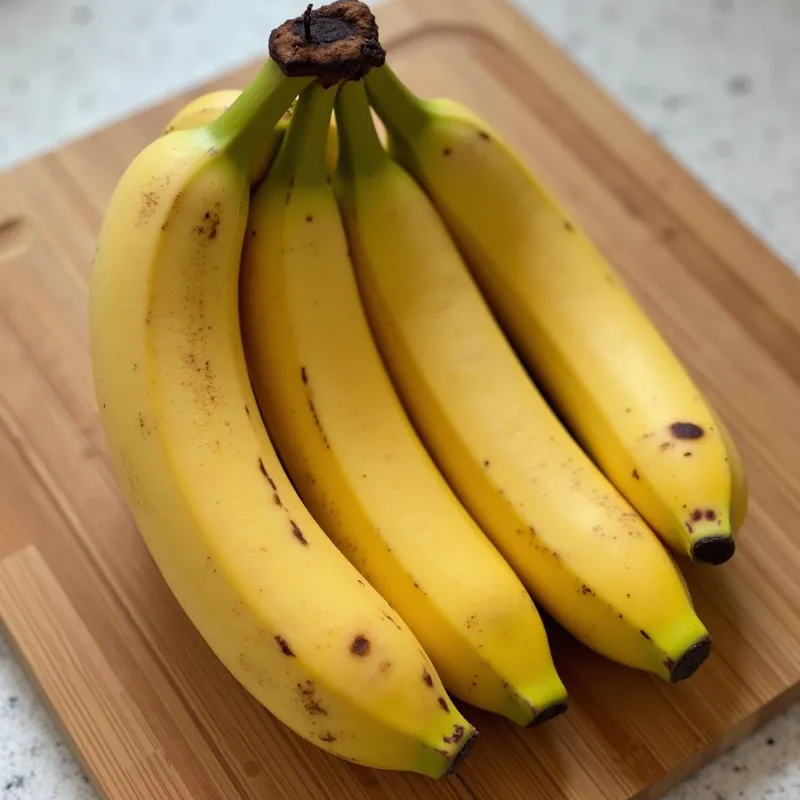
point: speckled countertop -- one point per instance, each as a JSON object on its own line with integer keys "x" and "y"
{"x": 718, "y": 81}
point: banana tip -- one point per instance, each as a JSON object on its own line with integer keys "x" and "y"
{"x": 714, "y": 550}
{"x": 691, "y": 660}
{"x": 462, "y": 754}
{"x": 546, "y": 714}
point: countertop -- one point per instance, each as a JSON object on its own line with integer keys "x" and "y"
{"x": 717, "y": 81}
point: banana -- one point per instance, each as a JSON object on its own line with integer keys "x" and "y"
{"x": 584, "y": 554}
{"x": 352, "y": 453}
{"x": 608, "y": 372}
{"x": 209, "y": 107}
{"x": 285, "y": 612}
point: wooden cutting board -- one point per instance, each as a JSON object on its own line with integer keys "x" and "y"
{"x": 149, "y": 710}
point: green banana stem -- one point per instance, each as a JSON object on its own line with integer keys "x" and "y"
{"x": 360, "y": 148}
{"x": 243, "y": 130}
{"x": 302, "y": 155}
{"x": 400, "y": 110}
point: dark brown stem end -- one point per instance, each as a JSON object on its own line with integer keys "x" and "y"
{"x": 691, "y": 660}
{"x": 338, "y": 42}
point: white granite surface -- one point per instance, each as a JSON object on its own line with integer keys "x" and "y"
{"x": 718, "y": 81}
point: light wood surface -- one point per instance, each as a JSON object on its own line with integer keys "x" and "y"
{"x": 149, "y": 710}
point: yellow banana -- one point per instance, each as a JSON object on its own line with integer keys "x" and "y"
{"x": 602, "y": 363}
{"x": 284, "y": 611}
{"x": 579, "y": 548}
{"x": 209, "y": 107}
{"x": 353, "y": 455}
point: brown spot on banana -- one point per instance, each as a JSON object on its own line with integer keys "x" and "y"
{"x": 686, "y": 430}
{"x": 456, "y": 736}
{"x": 297, "y": 533}
{"x": 308, "y": 697}
{"x": 263, "y": 470}
{"x": 360, "y": 646}
{"x": 284, "y": 646}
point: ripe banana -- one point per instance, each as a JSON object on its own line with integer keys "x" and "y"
{"x": 352, "y": 453}
{"x": 579, "y": 548}
{"x": 277, "y": 603}
{"x": 599, "y": 359}
{"x": 210, "y": 107}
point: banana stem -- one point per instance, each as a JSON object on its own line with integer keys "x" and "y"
{"x": 303, "y": 154}
{"x": 397, "y": 106}
{"x": 243, "y": 131}
{"x": 360, "y": 147}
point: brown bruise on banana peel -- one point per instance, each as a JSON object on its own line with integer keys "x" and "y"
{"x": 360, "y": 646}
{"x": 343, "y": 45}
{"x": 276, "y": 498}
{"x": 681, "y": 431}
{"x": 312, "y": 407}
{"x": 307, "y": 692}
{"x": 686, "y": 431}
{"x": 263, "y": 470}
{"x": 391, "y": 619}
{"x": 150, "y": 201}
{"x": 297, "y": 533}
{"x": 284, "y": 646}
{"x": 456, "y": 736}
{"x": 208, "y": 225}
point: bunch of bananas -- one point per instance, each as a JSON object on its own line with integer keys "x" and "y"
{"x": 316, "y": 360}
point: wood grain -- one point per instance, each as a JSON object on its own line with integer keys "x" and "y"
{"x": 150, "y": 711}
